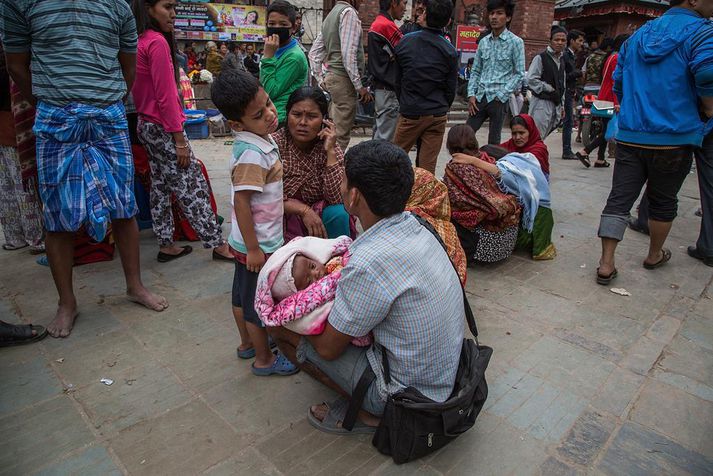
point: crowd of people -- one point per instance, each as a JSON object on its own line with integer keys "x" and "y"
{"x": 331, "y": 263}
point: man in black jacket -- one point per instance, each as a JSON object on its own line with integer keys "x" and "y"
{"x": 546, "y": 80}
{"x": 575, "y": 40}
{"x": 384, "y": 36}
{"x": 426, "y": 80}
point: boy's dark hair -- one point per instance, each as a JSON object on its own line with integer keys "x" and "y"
{"x": 494, "y": 151}
{"x": 438, "y": 13}
{"x": 283, "y": 7}
{"x": 508, "y": 5}
{"x": 382, "y": 172}
{"x": 232, "y": 91}
{"x": 574, "y": 35}
{"x": 461, "y": 138}
{"x": 308, "y": 92}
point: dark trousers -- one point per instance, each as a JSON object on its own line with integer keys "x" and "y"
{"x": 568, "y": 123}
{"x": 704, "y": 165}
{"x": 665, "y": 171}
{"x": 493, "y": 110}
{"x": 600, "y": 142}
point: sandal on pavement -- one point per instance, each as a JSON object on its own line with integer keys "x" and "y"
{"x": 584, "y": 159}
{"x": 601, "y": 164}
{"x": 605, "y": 280}
{"x": 335, "y": 415}
{"x": 9, "y": 247}
{"x": 166, "y": 257}
{"x": 11, "y": 335}
{"x": 218, "y": 257}
{"x": 281, "y": 366}
{"x": 665, "y": 256}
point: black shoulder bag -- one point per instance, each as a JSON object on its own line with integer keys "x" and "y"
{"x": 413, "y": 425}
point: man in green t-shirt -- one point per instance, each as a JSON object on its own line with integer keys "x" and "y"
{"x": 283, "y": 54}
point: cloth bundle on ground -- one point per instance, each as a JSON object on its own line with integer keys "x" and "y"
{"x": 429, "y": 200}
{"x": 305, "y": 311}
{"x": 476, "y": 198}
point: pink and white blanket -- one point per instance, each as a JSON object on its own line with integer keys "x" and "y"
{"x": 306, "y": 311}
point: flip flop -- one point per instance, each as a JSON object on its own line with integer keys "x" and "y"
{"x": 218, "y": 257}
{"x": 281, "y": 366}
{"x": 601, "y": 164}
{"x": 604, "y": 280}
{"x": 166, "y": 257}
{"x": 336, "y": 414}
{"x": 12, "y": 335}
{"x": 9, "y": 247}
{"x": 584, "y": 159}
{"x": 665, "y": 256}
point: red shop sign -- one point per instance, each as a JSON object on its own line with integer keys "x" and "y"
{"x": 467, "y": 38}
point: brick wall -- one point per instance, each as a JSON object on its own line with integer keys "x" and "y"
{"x": 532, "y": 23}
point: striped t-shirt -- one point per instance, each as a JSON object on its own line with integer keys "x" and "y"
{"x": 74, "y": 47}
{"x": 255, "y": 165}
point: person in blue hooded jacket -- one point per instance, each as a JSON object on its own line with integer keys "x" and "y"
{"x": 664, "y": 83}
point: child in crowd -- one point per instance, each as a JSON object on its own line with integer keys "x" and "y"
{"x": 297, "y": 285}
{"x": 256, "y": 177}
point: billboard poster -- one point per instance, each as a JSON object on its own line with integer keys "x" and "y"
{"x": 467, "y": 38}
{"x": 220, "y": 21}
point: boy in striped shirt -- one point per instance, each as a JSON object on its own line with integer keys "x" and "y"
{"x": 256, "y": 182}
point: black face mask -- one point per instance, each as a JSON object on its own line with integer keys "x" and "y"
{"x": 283, "y": 32}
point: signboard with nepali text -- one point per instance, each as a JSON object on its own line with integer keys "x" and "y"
{"x": 220, "y": 22}
{"x": 467, "y": 38}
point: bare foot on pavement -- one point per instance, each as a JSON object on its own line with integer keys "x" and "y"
{"x": 61, "y": 325}
{"x": 148, "y": 299}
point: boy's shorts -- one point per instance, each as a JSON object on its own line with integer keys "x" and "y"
{"x": 244, "y": 286}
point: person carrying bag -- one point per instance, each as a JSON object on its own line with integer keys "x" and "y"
{"x": 413, "y": 425}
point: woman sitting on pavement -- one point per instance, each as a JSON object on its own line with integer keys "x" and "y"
{"x": 526, "y": 138}
{"x": 485, "y": 218}
{"x": 313, "y": 166}
{"x": 520, "y": 175}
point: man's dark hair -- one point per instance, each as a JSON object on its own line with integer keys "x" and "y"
{"x": 557, "y": 29}
{"x": 574, "y": 35}
{"x": 232, "y": 91}
{"x": 471, "y": 60}
{"x": 508, "y": 5}
{"x": 384, "y": 5}
{"x": 620, "y": 40}
{"x": 283, "y": 7}
{"x": 438, "y": 13}
{"x": 606, "y": 43}
{"x": 675, "y": 3}
{"x": 383, "y": 174}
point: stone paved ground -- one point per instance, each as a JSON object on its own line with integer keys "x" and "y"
{"x": 582, "y": 380}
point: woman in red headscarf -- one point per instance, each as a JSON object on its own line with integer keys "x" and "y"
{"x": 526, "y": 138}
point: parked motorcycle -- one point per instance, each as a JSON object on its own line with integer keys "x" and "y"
{"x": 591, "y": 125}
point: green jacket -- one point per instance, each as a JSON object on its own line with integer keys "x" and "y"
{"x": 291, "y": 63}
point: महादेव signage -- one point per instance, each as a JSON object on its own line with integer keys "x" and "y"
{"x": 220, "y": 22}
{"x": 467, "y": 38}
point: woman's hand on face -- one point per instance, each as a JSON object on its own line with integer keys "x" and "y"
{"x": 314, "y": 224}
{"x": 183, "y": 157}
{"x": 460, "y": 158}
{"x": 328, "y": 134}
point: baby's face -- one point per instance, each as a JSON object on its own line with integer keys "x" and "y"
{"x": 306, "y": 271}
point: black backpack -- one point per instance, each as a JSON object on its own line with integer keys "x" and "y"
{"x": 413, "y": 425}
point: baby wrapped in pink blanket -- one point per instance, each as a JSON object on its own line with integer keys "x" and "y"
{"x": 296, "y": 287}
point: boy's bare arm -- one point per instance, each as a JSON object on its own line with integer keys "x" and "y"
{"x": 246, "y": 224}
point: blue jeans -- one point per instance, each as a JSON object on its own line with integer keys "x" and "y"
{"x": 568, "y": 123}
{"x": 704, "y": 165}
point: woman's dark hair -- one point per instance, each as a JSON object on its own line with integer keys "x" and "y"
{"x": 518, "y": 121}
{"x": 494, "y": 151}
{"x": 256, "y": 15}
{"x": 144, "y": 22}
{"x": 461, "y": 138}
{"x": 383, "y": 173}
{"x": 309, "y": 92}
{"x": 508, "y": 5}
{"x": 283, "y": 8}
{"x": 438, "y": 13}
{"x": 620, "y": 40}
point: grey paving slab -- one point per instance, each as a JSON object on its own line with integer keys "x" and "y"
{"x": 586, "y": 439}
{"x": 40, "y": 434}
{"x": 618, "y": 392}
{"x": 93, "y": 460}
{"x": 638, "y": 451}
{"x": 26, "y": 383}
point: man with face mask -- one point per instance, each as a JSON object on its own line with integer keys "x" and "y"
{"x": 283, "y": 54}
{"x": 546, "y": 78}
